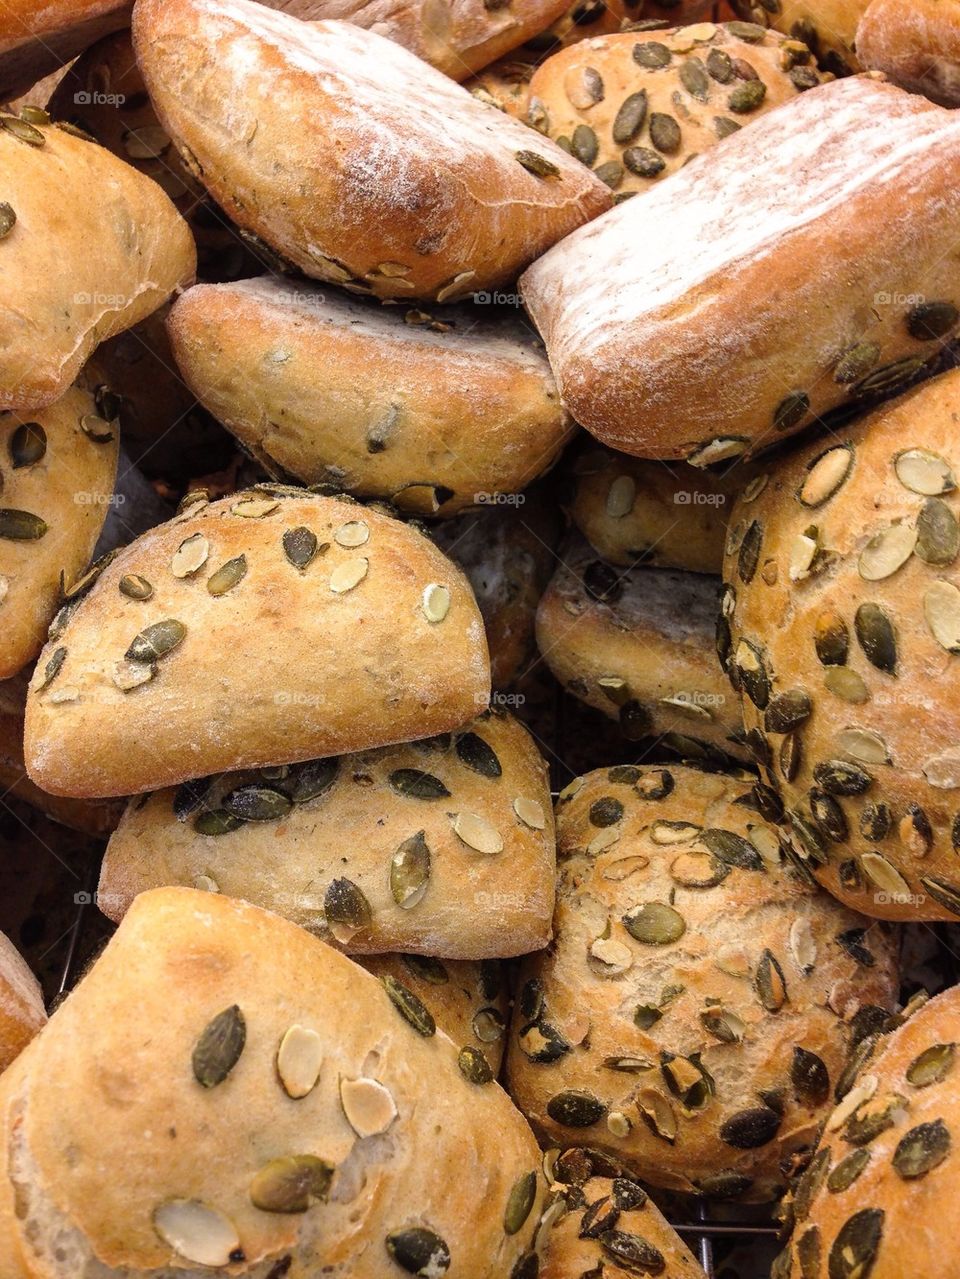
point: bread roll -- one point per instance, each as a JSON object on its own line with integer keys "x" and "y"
{"x": 842, "y": 619}
{"x": 636, "y": 107}
{"x": 874, "y": 1197}
{"x": 916, "y": 45}
{"x": 76, "y": 271}
{"x": 351, "y": 157}
{"x": 271, "y": 627}
{"x": 264, "y": 1107}
{"x": 443, "y": 847}
{"x": 715, "y": 341}
{"x": 829, "y": 27}
{"x": 700, "y": 998}
{"x": 37, "y": 38}
{"x": 638, "y": 644}
{"x": 57, "y": 472}
{"x": 22, "y": 1013}
{"x": 434, "y": 413}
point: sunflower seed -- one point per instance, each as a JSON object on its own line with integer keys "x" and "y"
{"x": 28, "y": 444}
{"x": 724, "y": 1024}
{"x": 197, "y": 1233}
{"x": 368, "y": 1106}
{"x": 410, "y": 1007}
{"x": 932, "y": 320}
{"x": 352, "y": 534}
{"x": 802, "y": 945}
{"x": 863, "y": 745}
{"x": 851, "y": 939}
{"x": 810, "y": 1078}
{"x": 530, "y": 813}
{"x": 536, "y": 164}
{"x": 787, "y": 711}
{"x": 218, "y": 1049}
{"x": 886, "y": 877}
{"x": 924, "y": 472}
{"x": 770, "y": 983}
{"x": 575, "y": 1109}
{"x": 719, "y": 449}
{"x": 254, "y": 508}
{"x": 419, "y": 1251}
{"x": 349, "y": 574}
{"x": 941, "y": 608}
{"x": 477, "y": 833}
{"x": 655, "y": 924}
{"x": 291, "y": 1184}
{"x": 749, "y": 1129}
{"x": 299, "y": 1059}
{"x": 756, "y": 682}
{"x": 832, "y": 639}
{"x": 943, "y": 892}
{"x": 412, "y": 783}
{"x": 636, "y": 1254}
{"x": 520, "y": 1203}
{"x": 630, "y": 118}
{"x": 938, "y": 533}
{"x": 886, "y": 552}
{"x": 8, "y": 219}
{"x": 877, "y": 639}
{"x": 478, "y": 755}
{"x": 825, "y": 475}
{"x": 21, "y": 526}
{"x": 156, "y": 641}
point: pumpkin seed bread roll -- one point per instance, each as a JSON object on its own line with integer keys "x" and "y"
{"x": 700, "y": 999}
{"x": 272, "y": 627}
{"x": 452, "y": 851}
{"x": 841, "y": 625}
{"x": 886, "y": 1164}
{"x": 37, "y": 39}
{"x": 599, "y": 1221}
{"x": 57, "y": 471}
{"x": 22, "y": 1013}
{"x": 683, "y": 352}
{"x": 350, "y": 156}
{"x": 636, "y": 107}
{"x": 916, "y": 45}
{"x": 433, "y": 412}
{"x": 469, "y": 1001}
{"x": 638, "y": 644}
{"x": 266, "y": 1108}
{"x": 829, "y": 27}
{"x": 71, "y": 282}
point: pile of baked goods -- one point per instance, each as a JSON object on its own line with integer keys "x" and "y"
{"x": 479, "y": 592}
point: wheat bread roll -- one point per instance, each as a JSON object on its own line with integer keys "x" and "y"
{"x": 917, "y": 46}
{"x": 841, "y": 626}
{"x": 636, "y": 107}
{"x": 443, "y": 847}
{"x": 37, "y": 39}
{"x": 588, "y": 18}
{"x": 22, "y": 1013}
{"x": 681, "y": 352}
{"x": 57, "y": 472}
{"x": 434, "y": 412}
{"x": 351, "y": 157}
{"x": 638, "y": 645}
{"x": 701, "y": 996}
{"x": 265, "y": 1107}
{"x": 829, "y": 27}
{"x": 268, "y": 628}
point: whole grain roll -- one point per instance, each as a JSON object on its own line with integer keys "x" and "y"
{"x": 716, "y": 341}
{"x": 271, "y": 627}
{"x": 587, "y": 18}
{"x": 38, "y": 38}
{"x": 265, "y": 1107}
{"x": 351, "y": 157}
{"x": 841, "y": 624}
{"x": 22, "y": 1013}
{"x": 433, "y": 412}
{"x": 916, "y": 45}
{"x": 443, "y": 847}
{"x": 701, "y": 997}
{"x": 829, "y": 27}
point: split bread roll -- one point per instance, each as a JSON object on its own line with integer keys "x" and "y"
{"x": 433, "y": 412}
{"x": 701, "y": 997}
{"x": 917, "y": 45}
{"x": 266, "y": 1108}
{"x": 22, "y": 1013}
{"x": 38, "y": 38}
{"x": 271, "y": 627}
{"x": 351, "y": 157}
{"x": 638, "y": 644}
{"x": 829, "y": 27}
{"x": 682, "y": 352}
{"x": 73, "y": 281}
{"x": 872, "y": 1201}
{"x": 841, "y": 629}
{"x": 442, "y": 847}
{"x": 58, "y": 466}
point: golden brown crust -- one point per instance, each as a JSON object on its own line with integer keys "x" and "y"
{"x": 37, "y": 39}
{"x": 829, "y": 27}
{"x": 917, "y": 45}
{"x": 375, "y": 639}
{"x": 22, "y": 1013}
{"x": 693, "y": 1032}
{"x": 841, "y": 576}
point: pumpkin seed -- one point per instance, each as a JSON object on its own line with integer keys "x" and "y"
{"x": 584, "y": 145}
{"x": 28, "y": 444}
{"x": 932, "y": 320}
{"x": 941, "y": 608}
{"x": 410, "y": 1007}
{"x": 526, "y": 1266}
{"x": 855, "y": 1248}
{"x": 575, "y": 1109}
{"x": 810, "y": 1078}
{"x": 606, "y": 811}
{"x": 847, "y": 685}
{"x": 257, "y": 804}
{"x": 851, "y": 939}
{"x": 770, "y": 983}
{"x": 826, "y": 474}
{"x": 630, "y": 118}
{"x": 749, "y": 1129}
{"x": 724, "y": 1024}
{"x": 96, "y": 429}
{"x": 636, "y": 1254}
{"x": 863, "y": 745}
{"x": 520, "y": 1203}
{"x": 488, "y": 1025}
{"x": 584, "y": 88}
{"x": 530, "y": 1003}
{"x": 346, "y": 908}
{"x": 749, "y": 555}
{"x": 530, "y": 812}
{"x": 349, "y": 574}
{"x": 921, "y": 1150}
{"x": 291, "y": 1184}
{"x": 21, "y": 526}
{"x": 156, "y": 641}
{"x": 541, "y": 1042}
{"x": 536, "y": 164}
{"x": 130, "y": 675}
{"x": 832, "y": 639}
{"x": 847, "y": 1171}
{"x": 299, "y": 546}
{"x": 829, "y": 816}
{"x": 427, "y": 969}
{"x": 888, "y": 378}
{"x": 856, "y": 363}
{"x": 802, "y": 945}
{"x": 719, "y": 449}
{"x": 190, "y": 556}
{"x": 8, "y": 219}
{"x": 196, "y": 1232}
{"x": 756, "y": 682}
{"x": 644, "y": 162}
{"x": 877, "y": 639}
{"x": 697, "y": 870}
{"x": 299, "y": 1059}
{"x": 218, "y": 1049}
{"x": 694, "y": 78}
{"x": 227, "y": 576}
{"x": 655, "y": 924}
{"x": 871, "y": 1119}
{"x": 368, "y": 1106}
{"x": 478, "y": 755}
{"x": 352, "y": 534}
{"x": 943, "y": 892}
{"x": 627, "y": 1196}
{"x": 924, "y": 472}
{"x": 886, "y": 877}
{"x": 665, "y": 134}
{"x": 651, "y": 54}
{"x": 474, "y": 1066}
{"x": 22, "y": 130}
{"x": 658, "y": 1113}
{"x": 732, "y": 849}
{"x": 932, "y": 1065}
{"x": 52, "y": 669}
{"x": 419, "y": 1251}
{"x": 477, "y": 833}
{"x": 309, "y": 781}
{"x": 886, "y": 552}
{"x": 787, "y": 711}
{"x": 413, "y": 783}
{"x": 216, "y": 822}
{"x": 135, "y": 587}
{"x": 254, "y": 508}
{"x": 410, "y": 871}
{"x": 751, "y": 32}
{"x": 747, "y": 97}
{"x": 938, "y": 533}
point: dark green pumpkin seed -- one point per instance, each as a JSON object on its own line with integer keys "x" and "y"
{"x": 644, "y": 162}
{"x": 419, "y": 1251}
{"x": 257, "y": 804}
{"x": 410, "y": 871}
{"x": 810, "y": 1078}
{"x": 747, "y": 31}
{"x": 809, "y": 1253}
{"x": 22, "y": 130}
{"x": 724, "y": 127}
{"x": 856, "y": 363}
{"x": 863, "y": 1128}
{"x": 651, "y": 54}
{"x": 889, "y": 377}
{"x": 189, "y": 796}
{"x": 606, "y": 811}
{"x": 855, "y": 1248}
{"x": 536, "y": 164}
{"x": 299, "y": 546}
{"x": 520, "y": 1203}
{"x": 530, "y": 1003}
{"x": 938, "y": 533}
{"x": 526, "y": 1267}
{"x": 787, "y": 710}
{"x": 932, "y": 320}
{"x": 629, "y": 119}
{"x": 156, "y": 641}
{"x": 791, "y": 411}
{"x": 584, "y": 145}
{"x": 877, "y": 638}
{"x": 474, "y": 1066}
{"x": 847, "y": 1171}
{"x": 749, "y": 1129}
{"x": 575, "y": 1109}
{"x": 473, "y": 751}
{"x": 413, "y": 783}
{"x": 932, "y": 1065}
{"x": 664, "y": 133}
{"x": 921, "y": 1149}
{"x": 8, "y": 219}
{"x": 427, "y": 968}
{"x": 135, "y": 587}
{"x": 720, "y": 66}
{"x": 227, "y": 576}
{"x": 218, "y": 1049}
{"x": 694, "y": 78}
{"x": 291, "y": 1184}
{"x": 749, "y": 556}
{"x": 635, "y": 1254}
{"x": 346, "y": 904}
{"x": 770, "y": 983}
{"x": 810, "y": 1183}
{"x": 829, "y": 816}
{"x": 216, "y": 821}
{"x": 731, "y": 849}
{"x": 541, "y": 1042}
{"x": 21, "y": 526}
{"x": 747, "y": 97}
{"x": 655, "y": 924}
{"x": 52, "y": 669}
{"x": 310, "y": 780}
{"x": 410, "y": 1007}
{"x": 837, "y": 777}
{"x": 28, "y": 444}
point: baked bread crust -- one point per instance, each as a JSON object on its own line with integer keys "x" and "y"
{"x": 37, "y": 39}
{"x": 917, "y": 45}
{"x": 829, "y": 27}
{"x": 22, "y": 1013}
{"x": 244, "y": 675}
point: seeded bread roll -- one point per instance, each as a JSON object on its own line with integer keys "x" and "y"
{"x": 633, "y": 511}
{"x": 451, "y": 850}
{"x": 266, "y": 1108}
{"x": 872, "y": 1200}
{"x": 350, "y": 156}
{"x": 698, "y": 1003}
{"x": 57, "y": 472}
{"x": 636, "y": 107}
{"x": 469, "y": 1001}
{"x": 842, "y": 620}
{"x": 916, "y": 45}
{"x": 37, "y": 38}
{"x": 686, "y": 351}
{"x": 600, "y": 1222}
{"x": 272, "y": 627}
{"x": 638, "y": 644}
{"x": 829, "y": 27}
{"x": 22, "y": 1013}
{"x": 433, "y": 413}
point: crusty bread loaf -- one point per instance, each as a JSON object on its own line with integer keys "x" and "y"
{"x": 22, "y": 1013}
{"x": 716, "y": 340}
{"x": 875, "y": 1197}
{"x": 268, "y": 628}
{"x": 841, "y": 624}
{"x": 57, "y": 472}
{"x": 37, "y": 38}
{"x": 917, "y": 45}
{"x": 829, "y": 27}
{"x": 75, "y": 272}
{"x": 350, "y": 156}
{"x": 699, "y": 1001}
{"x": 443, "y": 847}
{"x": 432, "y": 413}
{"x": 637, "y": 107}
{"x": 265, "y": 1108}
{"x": 638, "y": 644}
